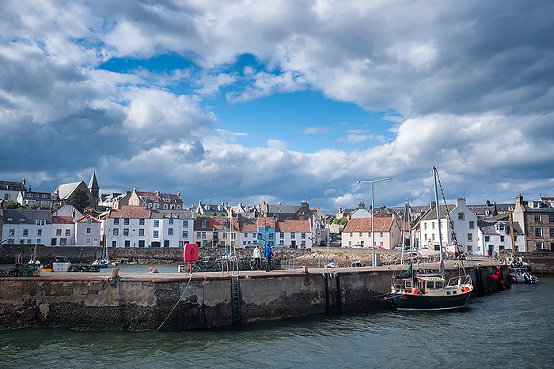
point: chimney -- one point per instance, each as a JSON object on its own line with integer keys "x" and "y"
{"x": 361, "y": 205}
{"x": 460, "y": 201}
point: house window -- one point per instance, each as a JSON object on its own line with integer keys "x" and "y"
{"x": 116, "y": 221}
{"x": 12, "y": 232}
{"x": 292, "y": 235}
{"x": 89, "y": 221}
{"x": 58, "y": 232}
{"x": 141, "y": 243}
{"x": 165, "y": 206}
{"x": 471, "y": 224}
{"x": 68, "y": 232}
{"x": 170, "y": 231}
{"x": 156, "y": 234}
{"x": 89, "y": 230}
{"x": 551, "y": 218}
{"x": 469, "y": 237}
{"x": 185, "y": 234}
{"x": 303, "y": 235}
{"x": 156, "y": 223}
{"x": 116, "y": 232}
{"x": 433, "y": 225}
{"x": 141, "y": 231}
{"x": 282, "y": 235}
{"x": 537, "y": 217}
{"x": 125, "y": 231}
{"x": 425, "y": 226}
{"x": 87, "y": 241}
{"x": 141, "y": 221}
{"x": 39, "y": 232}
{"x": 360, "y": 234}
{"x": 126, "y": 221}
{"x": 203, "y": 234}
{"x": 501, "y": 238}
{"x": 538, "y": 232}
{"x": 198, "y": 234}
{"x": 487, "y": 238}
{"x": 538, "y": 245}
{"x": 25, "y": 232}
{"x": 127, "y": 243}
{"x": 271, "y": 236}
{"x": 170, "y": 220}
{"x": 460, "y": 216}
{"x": 185, "y": 223}
{"x": 114, "y": 244}
{"x": 551, "y": 232}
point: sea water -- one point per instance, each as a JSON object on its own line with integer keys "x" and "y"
{"x": 509, "y": 329}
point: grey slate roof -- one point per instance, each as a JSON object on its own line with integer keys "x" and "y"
{"x": 444, "y": 211}
{"x": 488, "y": 227}
{"x": 65, "y": 190}
{"x": 30, "y": 216}
{"x": 180, "y": 214}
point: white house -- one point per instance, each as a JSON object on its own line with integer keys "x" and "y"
{"x": 494, "y": 235}
{"x": 24, "y": 226}
{"x": 63, "y": 231}
{"x": 358, "y": 231}
{"x": 464, "y": 229}
{"x": 294, "y": 234}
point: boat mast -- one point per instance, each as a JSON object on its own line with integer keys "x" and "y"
{"x": 512, "y": 235}
{"x": 435, "y": 174}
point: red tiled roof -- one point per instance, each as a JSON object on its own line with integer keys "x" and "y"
{"x": 157, "y": 195}
{"x": 62, "y": 220}
{"x": 248, "y": 227}
{"x": 290, "y": 226}
{"x": 263, "y": 221}
{"x": 88, "y": 216}
{"x": 214, "y": 223}
{"x": 364, "y": 225}
{"x": 132, "y": 212}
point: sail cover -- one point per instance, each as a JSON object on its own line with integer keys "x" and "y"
{"x": 407, "y": 275}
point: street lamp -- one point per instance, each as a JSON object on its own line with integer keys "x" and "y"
{"x": 372, "y": 181}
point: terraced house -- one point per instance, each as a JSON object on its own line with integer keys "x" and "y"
{"x": 537, "y": 218}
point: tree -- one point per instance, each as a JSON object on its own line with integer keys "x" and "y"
{"x": 12, "y": 205}
{"x": 79, "y": 199}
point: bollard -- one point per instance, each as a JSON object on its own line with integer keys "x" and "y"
{"x": 115, "y": 272}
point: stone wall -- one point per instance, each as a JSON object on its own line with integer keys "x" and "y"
{"x": 138, "y": 303}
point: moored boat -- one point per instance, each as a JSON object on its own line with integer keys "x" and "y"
{"x": 416, "y": 291}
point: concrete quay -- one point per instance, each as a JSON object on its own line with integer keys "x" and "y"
{"x": 145, "y": 301}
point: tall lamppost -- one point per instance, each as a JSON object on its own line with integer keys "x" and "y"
{"x": 372, "y": 181}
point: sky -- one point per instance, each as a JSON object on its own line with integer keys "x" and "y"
{"x": 281, "y": 100}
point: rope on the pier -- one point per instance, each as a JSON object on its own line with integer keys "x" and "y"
{"x": 180, "y": 298}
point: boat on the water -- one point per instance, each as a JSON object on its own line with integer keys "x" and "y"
{"x": 430, "y": 291}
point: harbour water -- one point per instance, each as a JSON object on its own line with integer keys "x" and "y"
{"x": 509, "y": 329}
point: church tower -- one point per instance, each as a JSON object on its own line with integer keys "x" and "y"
{"x": 94, "y": 188}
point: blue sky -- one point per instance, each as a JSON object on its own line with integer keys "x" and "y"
{"x": 280, "y": 101}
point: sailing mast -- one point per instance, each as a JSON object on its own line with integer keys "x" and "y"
{"x": 435, "y": 174}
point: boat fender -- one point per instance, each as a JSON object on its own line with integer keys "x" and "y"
{"x": 465, "y": 289}
{"x": 494, "y": 277}
{"x": 514, "y": 279}
{"x": 497, "y": 273}
{"x": 497, "y": 269}
{"x": 415, "y": 291}
{"x": 501, "y": 282}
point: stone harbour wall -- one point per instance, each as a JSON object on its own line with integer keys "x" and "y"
{"x": 88, "y": 302}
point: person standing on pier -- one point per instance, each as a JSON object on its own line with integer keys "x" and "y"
{"x": 268, "y": 255}
{"x": 257, "y": 255}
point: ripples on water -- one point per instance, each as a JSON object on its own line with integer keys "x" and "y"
{"x": 511, "y": 329}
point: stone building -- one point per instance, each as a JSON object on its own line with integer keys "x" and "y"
{"x": 537, "y": 218}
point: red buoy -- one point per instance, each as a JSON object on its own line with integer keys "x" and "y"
{"x": 501, "y": 282}
{"x": 497, "y": 269}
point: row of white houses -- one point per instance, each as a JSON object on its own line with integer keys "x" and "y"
{"x": 472, "y": 235}
{"x": 137, "y": 226}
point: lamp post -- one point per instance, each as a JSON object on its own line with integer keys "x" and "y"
{"x": 372, "y": 181}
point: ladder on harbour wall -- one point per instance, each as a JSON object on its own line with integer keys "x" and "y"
{"x": 235, "y": 299}
{"x": 333, "y": 296}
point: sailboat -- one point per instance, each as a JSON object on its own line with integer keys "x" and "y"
{"x": 105, "y": 261}
{"x": 431, "y": 291}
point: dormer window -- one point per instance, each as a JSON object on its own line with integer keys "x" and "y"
{"x": 22, "y": 220}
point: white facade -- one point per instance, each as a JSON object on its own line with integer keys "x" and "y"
{"x": 27, "y": 227}
{"x": 494, "y": 241}
{"x": 161, "y": 229}
{"x": 464, "y": 224}
{"x": 63, "y": 231}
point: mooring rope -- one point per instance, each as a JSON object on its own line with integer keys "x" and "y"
{"x": 180, "y": 298}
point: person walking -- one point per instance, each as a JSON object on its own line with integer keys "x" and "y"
{"x": 257, "y": 255}
{"x": 268, "y": 255}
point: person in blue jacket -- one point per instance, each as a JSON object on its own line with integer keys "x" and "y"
{"x": 268, "y": 254}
